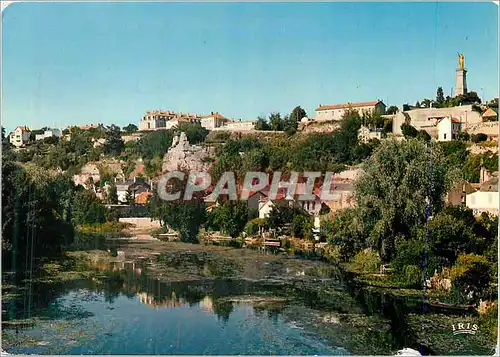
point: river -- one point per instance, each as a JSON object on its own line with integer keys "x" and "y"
{"x": 126, "y": 311}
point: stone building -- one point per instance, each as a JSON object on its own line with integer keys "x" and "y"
{"x": 336, "y": 112}
{"x": 427, "y": 118}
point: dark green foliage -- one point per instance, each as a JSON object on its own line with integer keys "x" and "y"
{"x": 262, "y": 124}
{"x": 153, "y": 144}
{"x": 186, "y": 217}
{"x": 423, "y": 135}
{"x": 409, "y": 131}
{"x": 294, "y": 119}
{"x": 195, "y": 133}
{"x": 35, "y": 215}
{"x": 130, "y": 128}
{"x": 229, "y": 217}
{"x": 440, "y": 96}
{"x": 392, "y": 110}
{"x": 477, "y": 138}
{"x": 392, "y": 192}
{"x": 112, "y": 194}
{"x": 470, "y": 278}
{"x": 88, "y": 241}
{"x": 87, "y": 208}
{"x": 114, "y": 143}
{"x": 347, "y": 232}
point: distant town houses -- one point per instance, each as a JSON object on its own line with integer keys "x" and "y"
{"x": 159, "y": 119}
{"x": 162, "y": 120}
{"x": 335, "y": 112}
{"x": 49, "y": 133}
{"x": 136, "y": 187}
{"x": 428, "y": 118}
{"x": 20, "y": 136}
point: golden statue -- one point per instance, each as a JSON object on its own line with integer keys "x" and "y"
{"x": 460, "y": 61}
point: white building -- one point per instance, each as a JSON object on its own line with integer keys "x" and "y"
{"x": 336, "y": 111}
{"x": 448, "y": 128}
{"x": 154, "y": 120}
{"x": 20, "y": 136}
{"x": 48, "y": 134}
{"x": 213, "y": 121}
{"x": 365, "y": 134}
{"x": 486, "y": 199}
{"x": 427, "y": 118}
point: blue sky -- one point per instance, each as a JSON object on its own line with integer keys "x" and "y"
{"x": 77, "y": 63}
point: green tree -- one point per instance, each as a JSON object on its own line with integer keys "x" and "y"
{"x": 470, "y": 277}
{"x": 130, "y": 197}
{"x": 114, "y": 143}
{"x": 294, "y": 119}
{"x": 186, "y": 217}
{"x": 130, "y": 128}
{"x": 112, "y": 194}
{"x": 409, "y": 131}
{"x": 347, "y": 232}
{"x": 480, "y": 137}
{"x": 262, "y": 124}
{"x": 392, "y": 110}
{"x": 154, "y": 144}
{"x": 230, "y": 217}
{"x": 195, "y": 133}
{"x": 440, "y": 96}
{"x": 276, "y": 122}
{"x": 87, "y": 208}
{"x": 392, "y": 192}
{"x": 423, "y": 135}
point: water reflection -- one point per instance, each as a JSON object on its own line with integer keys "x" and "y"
{"x": 382, "y": 327}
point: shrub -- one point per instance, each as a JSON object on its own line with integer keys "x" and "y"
{"x": 477, "y": 138}
{"x": 423, "y": 135}
{"x": 365, "y": 262}
{"x": 413, "y": 275}
{"x": 332, "y": 254}
{"x": 470, "y": 277}
{"x": 409, "y": 131}
{"x": 253, "y": 226}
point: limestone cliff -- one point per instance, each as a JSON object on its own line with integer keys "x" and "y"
{"x": 184, "y": 156}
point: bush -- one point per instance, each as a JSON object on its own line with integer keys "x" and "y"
{"x": 332, "y": 254}
{"x": 253, "y": 226}
{"x": 365, "y": 262}
{"x": 479, "y": 137}
{"x": 470, "y": 277}
{"x": 423, "y": 135}
{"x": 409, "y": 131}
{"x": 412, "y": 275}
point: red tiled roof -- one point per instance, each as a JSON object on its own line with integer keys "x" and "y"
{"x": 489, "y": 113}
{"x": 348, "y": 105}
{"x": 23, "y": 128}
{"x": 143, "y": 198}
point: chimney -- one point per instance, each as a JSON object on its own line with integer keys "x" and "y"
{"x": 134, "y": 179}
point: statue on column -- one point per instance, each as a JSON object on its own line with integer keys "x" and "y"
{"x": 460, "y": 61}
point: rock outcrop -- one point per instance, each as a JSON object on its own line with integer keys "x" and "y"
{"x": 183, "y": 156}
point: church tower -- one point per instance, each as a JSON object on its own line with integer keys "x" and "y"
{"x": 461, "y": 77}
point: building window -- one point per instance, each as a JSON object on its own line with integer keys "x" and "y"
{"x": 444, "y": 135}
